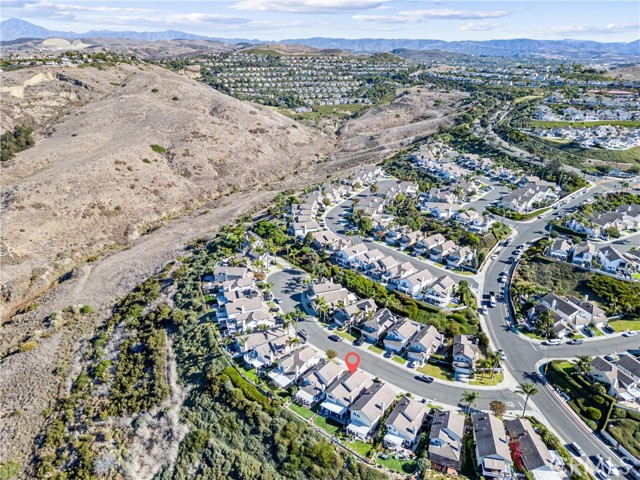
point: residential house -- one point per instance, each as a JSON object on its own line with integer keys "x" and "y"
{"x": 261, "y": 348}
{"x": 405, "y": 423}
{"x": 222, "y": 273}
{"x": 621, "y": 376}
{"x": 427, "y": 341}
{"x": 374, "y": 328}
{"x": 425, "y": 244}
{"x": 445, "y": 442}
{"x": 355, "y": 312}
{"x": 315, "y": 383}
{"x": 413, "y": 284}
{"x": 492, "y": 446}
{"x": 409, "y": 239}
{"x": 441, "y": 291}
{"x": 369, "y": 408}
{"x": 568, "y": 315}
{"x": 400, "y": 334}
{"x": 584, "y": 253}
{"x": 440, "y": 252}
{"x": 560, "y": 249}
{"x": 459, "y": 256}
{"x": 539, "y": 461}
{"x": 329, "y": 293}
{"x": 465, "y": 353}
{"x": 291, "y": 367}
{"x": 342, "y": 393}
{"x": 398, "y": 272}
{"x": 524, "y": 199}
{"x": 347, "y": 257}
{"x": 612, "y": 260}
{"x": 383, "y": 265}
{"x": 326, "y": 239}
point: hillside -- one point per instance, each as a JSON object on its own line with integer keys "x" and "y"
{"x": 93, "y": 182}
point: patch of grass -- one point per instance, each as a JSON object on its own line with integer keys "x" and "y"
{"x": 624, "y": 325}
{"x": 346, "y": 335}
{"x": 360, "y": 447}
{"x": 400, "y": 360}
{"x": 535, "y": 213}
{"x": 487, "y": 380}
{"x": 398, "y": 465}
{"x": 441, "y": 371}
{"x": 302, "y": 411}
{"x": 625, "y": 428}
{"x": 9, "y": 470}
{"x": 375, "y": 349}
{"x": 328, "y": 425}
{"x": 249, "y": 373}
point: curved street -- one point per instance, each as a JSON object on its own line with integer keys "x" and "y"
{"x": 523, "y": 356}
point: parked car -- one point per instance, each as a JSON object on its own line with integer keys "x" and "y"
{"x": 413, "y": 364}
{"x": 630, "y": 333}
{"x": 359, "y": 341}
{"x": 552, "y": 341}
{"x": 484, "y": 310}
{"x": 575, "y": 341}
{"x": 424, "y": 378}
{"x": 503, "y": 355}
{"x": 494, "y": 256}
{"x": 303, "y": 334}
{"x": 492, "y": 299}
{"x": 335, "y": 338}
{"x": 576, "y": 449}
{"x": 388, "y": 354}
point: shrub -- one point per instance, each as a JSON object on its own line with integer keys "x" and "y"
{"x": 175, "y": 99}
{"x": 593, "y": 413}
{"x": 15, "y": 141}
{"x": 158, "y": 148}
{"x": 598, "y": 400}
{"x": 155, "y": 90}
{"x": 86, "y": 309}
{"x": 27, "y": 346}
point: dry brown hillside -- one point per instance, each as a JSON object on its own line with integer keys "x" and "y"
{"x": 93, "y": 181}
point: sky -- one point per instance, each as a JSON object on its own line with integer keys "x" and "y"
{"x": 604, "y": 21}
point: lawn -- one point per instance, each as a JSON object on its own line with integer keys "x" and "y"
{"x": 535, "y": 213}
{"x": 400, "y": 360}
{"x": 441, "y": 371}
{"x": 375, "y": 349}
{"x": 304, "y": 412}
{"x": 250, "y": 374}
{"x": 636, "y": 275}
{"x": 624, "y": 325}
{"x": 398, "y": 465}
{"x": 328, "y": 425}
{"x": 346, "y": 335}
{"x": 360, "y": 447}
{"x": 625, "y": 428}
{"x": 487, "y": 380}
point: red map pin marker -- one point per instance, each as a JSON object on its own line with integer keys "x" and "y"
{"x": 352, "y": 360}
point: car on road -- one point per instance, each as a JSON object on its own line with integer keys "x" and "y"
{"x": 552, "y": 341}
{"x": 575, "y": 341}
{"x": 359, "y": 341}
{"x": 575, "y": 448}
{"x": 335, "y": 338}
{"x": 630, "y": 333}
{"x": 503, "y": 355}
{"x": 303, "y": 334}
{"x": 388, "y": 354}
{"x": 484, "y": 310}
{"x": 494, "y": 256}
{"x": 492, "y": 299}
{"x": 424, "y": 378}
{"x": 413, "y": 364}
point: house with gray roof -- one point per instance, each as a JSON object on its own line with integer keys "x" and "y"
{"x": 315, "y": 383}
{"x": 492, "y": 446}
{"x": 427, "y": 341}
{"x": 367, "y": 411}
{"x": 445, "y": 442}
{"x": 374, "y": 328}
{"x": 537, "y": 458}
{"x": 405, "y": 423}
{"x": 400, "y": 334}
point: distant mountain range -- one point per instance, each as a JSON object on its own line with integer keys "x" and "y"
{"x": 15, "y": 28}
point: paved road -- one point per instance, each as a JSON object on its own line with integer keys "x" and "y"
{"x": 522, "y": 354}
{"x": 288, "y": 285}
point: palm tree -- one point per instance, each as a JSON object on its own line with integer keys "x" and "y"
{"x": 545, "y": 322}
{"x": 481, "y": 367}
{"x": 493, "y": 362}
{"x": 323, "y": 308}
{"x": 292, "y": 341}
{"x": 583, "y": 364}
{"x": 469, "y": 398}
{"x": 528, "y": 390}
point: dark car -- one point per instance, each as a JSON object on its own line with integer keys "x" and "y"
{"x": 335, "y": 338}
{"x": 576, "y": 449}
{"x": 575, "y": 341}
{"x": 424, "y": 378}
{"x": 303, "y": 334}
{"x": 359, "y": 341}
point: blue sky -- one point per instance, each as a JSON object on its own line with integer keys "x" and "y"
{"x": 605, "y": 21}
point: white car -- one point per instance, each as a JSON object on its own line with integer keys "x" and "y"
{"x": 630, "y": 333}
{"x": 484, "y": 310}
{"x": 494, "y": 256}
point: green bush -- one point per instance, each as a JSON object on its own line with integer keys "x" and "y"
{"x": 593, "y": 413}
{"x": 158, "y": 148}
{"x": 15, "y": 141}
{"x": 598, "y": 399}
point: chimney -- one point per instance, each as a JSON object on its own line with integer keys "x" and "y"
{"x": 586, "y": 297}
{"x": 297, "y": 371}
{"x": 553, "y": 304}
{"x": 384, "y": 404}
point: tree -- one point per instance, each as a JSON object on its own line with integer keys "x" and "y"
{"x": 583, "y": 364}
{"x": 545, "y": 322}
{"x": 528, "y": 390}
{"x": 498, "y": 408}
{"x": 331, "y": 354}
{"x": 493, "y": 362}
{"x": 469, "y": 398}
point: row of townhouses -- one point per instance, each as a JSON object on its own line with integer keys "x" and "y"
{"x": 592, "y": 256}
{"x": 625, "y": 217}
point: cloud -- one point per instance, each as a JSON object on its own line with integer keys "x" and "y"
{"x": 610, "y": 28}
{"x": 480, "y": 27}
{"x": 204, "y": 18}
{"x": 417, "y": 16}
{"x": 307, "y": 6}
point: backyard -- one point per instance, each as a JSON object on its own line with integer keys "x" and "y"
{"x": 399, "y": 465}
{"x": 328, "y": 425}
